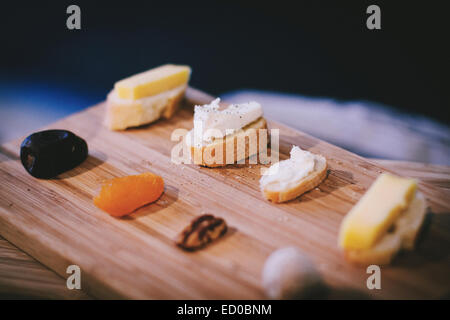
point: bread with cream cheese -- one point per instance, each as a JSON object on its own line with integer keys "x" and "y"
{"x": 290, "y": 178}
{"x": 228, "y": 134}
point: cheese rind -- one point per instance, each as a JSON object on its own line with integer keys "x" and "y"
{"x": 376, "y": 211}
{"x": 152, "y": 82}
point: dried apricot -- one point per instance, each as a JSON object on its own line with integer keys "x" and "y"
{"x": 121, "y": 196}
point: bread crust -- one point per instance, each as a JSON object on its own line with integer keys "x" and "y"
{"x": 306, "y": 184}
{"x": 173, "y": 104}
{"x": 123, "y": 113}
{"x": 239, "y": 154}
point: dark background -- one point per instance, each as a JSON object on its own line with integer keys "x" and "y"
{"x": 317, "y": 48}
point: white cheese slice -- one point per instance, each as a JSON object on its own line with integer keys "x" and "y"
{"x": 213, "y": 121}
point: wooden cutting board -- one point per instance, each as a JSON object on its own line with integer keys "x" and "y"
{"x": 56, "y": 222}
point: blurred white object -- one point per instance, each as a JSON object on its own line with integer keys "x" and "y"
{"x": 289, "y": 274}
{"x": 365, "y": 128}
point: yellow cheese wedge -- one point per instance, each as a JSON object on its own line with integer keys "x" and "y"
{"x": 402, "y": 235}
{"x": 152, "y": 82}
{"x": 376, "y": 212}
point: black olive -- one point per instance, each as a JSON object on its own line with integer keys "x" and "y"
{"x": 48, "y": 153}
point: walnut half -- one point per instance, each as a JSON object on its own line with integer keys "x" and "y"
{"x": 202, "y": 230}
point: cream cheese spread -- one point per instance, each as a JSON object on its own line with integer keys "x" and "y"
{"x": 211, "y": 121}
{"x": 287, "y": 173}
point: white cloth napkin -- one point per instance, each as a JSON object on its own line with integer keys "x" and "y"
{"x": 366, "y": 128}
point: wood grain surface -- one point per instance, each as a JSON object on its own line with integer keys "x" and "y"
{"x": 437, "y": 175}
{"x": 56, "y": 222}
{"x": 22, "y": 277}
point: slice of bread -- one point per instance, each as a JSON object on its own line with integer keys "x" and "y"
{"x": 205, "y": 155}
{"x": 402, "y": 235}
{"x": 126, "y": 113}
{"x": 277, "y": 191}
